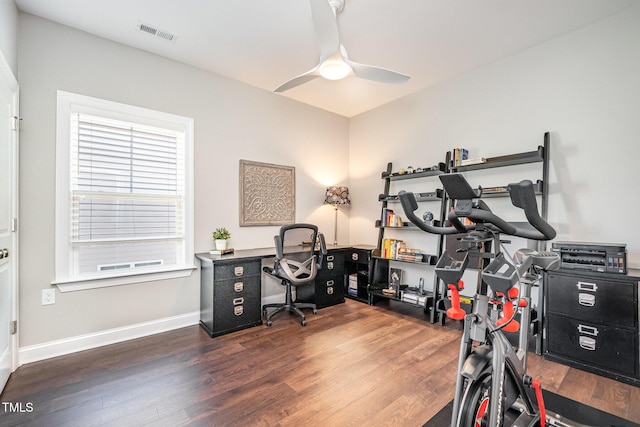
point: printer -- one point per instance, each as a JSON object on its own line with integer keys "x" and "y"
{"x": 596, "y": 257}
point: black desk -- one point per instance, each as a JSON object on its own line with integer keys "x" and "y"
{"x": 230, "y": 286}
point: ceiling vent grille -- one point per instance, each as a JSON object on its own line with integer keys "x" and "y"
{"x": 153, "y": 31}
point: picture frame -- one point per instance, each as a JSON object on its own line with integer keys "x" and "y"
{"x": 267, "y": 194}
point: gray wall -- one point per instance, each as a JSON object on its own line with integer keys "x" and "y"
{"x": 583, "y": 87}
{"x": 233, "y": 121}
{"x": 9, "y": 33}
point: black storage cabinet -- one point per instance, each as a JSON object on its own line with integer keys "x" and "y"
{"x": 591, "y": 322}
{"x": 328, "y": 286}
{"x": 230, "y": 293}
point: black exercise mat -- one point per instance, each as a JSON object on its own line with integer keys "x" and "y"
{"x": 561, "y": 405}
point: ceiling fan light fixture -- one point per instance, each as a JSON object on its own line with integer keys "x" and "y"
{"x": 334, "y": 69}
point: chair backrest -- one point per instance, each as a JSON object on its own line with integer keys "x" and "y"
{"x": 299, "y": 252}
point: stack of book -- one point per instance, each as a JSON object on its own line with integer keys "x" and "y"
{"x": 390, "y": 219}
{"x": 458, "y": 155}
{"x": 390, "y": 247}
{"x": 220, "y": 252}
{"x": 409, "y": 254}
{"x": 352, "y": 289}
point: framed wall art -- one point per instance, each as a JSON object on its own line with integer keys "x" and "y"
{"x": 267, "y": 194}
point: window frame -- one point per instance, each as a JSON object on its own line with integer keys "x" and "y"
{"x": 65, "y": 278}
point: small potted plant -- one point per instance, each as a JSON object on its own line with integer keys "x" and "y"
{"x": 220, "y": 237}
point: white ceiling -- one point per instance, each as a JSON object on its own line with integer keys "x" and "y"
{"x": 266, "y": 42}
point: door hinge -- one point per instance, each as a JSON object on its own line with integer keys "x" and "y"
{"x": 14, "y": 327}
{"x": 16, "y": 123}
{"x": 14, "y": 224}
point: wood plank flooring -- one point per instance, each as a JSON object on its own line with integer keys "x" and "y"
{"x": 352, "y": 365}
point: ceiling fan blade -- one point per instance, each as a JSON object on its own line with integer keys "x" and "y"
{"x": 378, "y": 74}
{"x": 298, "y": 80}
{"x": 326, "y": 26}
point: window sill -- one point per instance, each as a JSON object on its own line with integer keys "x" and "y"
{"x": 105, "y": 282}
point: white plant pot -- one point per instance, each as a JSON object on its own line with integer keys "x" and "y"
{"x": 221, "y": 244}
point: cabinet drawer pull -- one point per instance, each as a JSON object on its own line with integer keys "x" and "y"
{"x": 589, "y": 330}
{"x": 587, "y": 343}
{"x": 330, "y": 257}
{"x": 238, "y": 271}
{"x": 586, "y": 286}
{"x": 238, "y": 286}
{"x": 330, "y": 282}
{"x": 238, "y": 301}
{"x": 329, "y": 265}
{"x": 238, "y": 310}
{"x": 354, "y": 256}
{"x": 587, "y": 300}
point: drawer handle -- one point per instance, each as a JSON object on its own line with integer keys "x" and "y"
{"x": 587, "y": 300}
{"x": 238, "y": 301}
{"x": 330, "y": 257}
{"x": 238, "y": 286}
{"x": 589, "y": 330}
{"x": 238, "y": 271}
{"x": 354, "y": 256}
{"x": 330, "y": 290}
{"x": 238, "y": 310}
{"x": 586, "y": 286}
{"x": 330, "y": 282}
{"x": 588, "y": 343}
{"x": 329, "y": 265}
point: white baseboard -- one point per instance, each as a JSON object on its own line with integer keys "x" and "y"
{"x": 51, "y": 349}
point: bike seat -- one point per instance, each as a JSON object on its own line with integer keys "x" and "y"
{"x": 545, "y": 260}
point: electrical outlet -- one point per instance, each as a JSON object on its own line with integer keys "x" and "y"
{"x": 48, "y": 296}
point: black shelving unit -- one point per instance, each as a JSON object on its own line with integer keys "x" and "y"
{"x": 437, "y": 300}
{"x": 380, "y": 265}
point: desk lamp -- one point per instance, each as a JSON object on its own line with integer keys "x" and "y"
{"x": 337, "y": 196}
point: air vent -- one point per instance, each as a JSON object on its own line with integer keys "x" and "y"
{"x": 157, "y": 32}
{"x": 128, "y": 265}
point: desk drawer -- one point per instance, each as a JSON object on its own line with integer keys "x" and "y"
{"x": 360, "y": 256}
{"x": 237, "y": 270}
{"x": 232, "y": 288}
{"x": 235, "y": 313}
{"x": 333, "y": 263}
{"x": 599, "y": 299}
{"x": 610, "y": 348}
{"x": 329, "y": 291}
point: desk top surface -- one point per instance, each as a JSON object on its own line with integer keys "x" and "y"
{"x": 260, "y": 253}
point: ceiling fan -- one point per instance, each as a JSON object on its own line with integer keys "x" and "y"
{"x": 334, "y": 62}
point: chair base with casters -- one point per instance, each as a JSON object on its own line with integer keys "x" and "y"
{"x": 287, "y": 306}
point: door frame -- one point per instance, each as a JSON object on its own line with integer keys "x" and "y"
{"x": 9, "y": 79}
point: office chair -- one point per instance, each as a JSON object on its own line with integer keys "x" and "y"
{"x": 300, "y": 250}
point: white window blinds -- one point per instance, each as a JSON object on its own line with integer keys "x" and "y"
{"x": 127, "y": 194}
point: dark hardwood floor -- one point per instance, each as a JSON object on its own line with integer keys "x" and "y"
{"x": 352, "y": 365}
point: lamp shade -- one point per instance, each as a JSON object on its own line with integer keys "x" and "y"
{"x": 337, "y": 196}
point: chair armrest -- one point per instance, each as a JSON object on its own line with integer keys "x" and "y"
{"x": 279, "y": 249}
{"x": 323, "y": 250}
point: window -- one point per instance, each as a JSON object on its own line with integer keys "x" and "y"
{"x": 124, "y": 209}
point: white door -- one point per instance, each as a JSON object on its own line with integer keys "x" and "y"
{"x": 8, "y": 213}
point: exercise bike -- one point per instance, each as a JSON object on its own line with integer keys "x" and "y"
{"x": 492, "y": 387}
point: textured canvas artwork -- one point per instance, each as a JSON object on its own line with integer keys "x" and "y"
{"x": 267, "y": 194}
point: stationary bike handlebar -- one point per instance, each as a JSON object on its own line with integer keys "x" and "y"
{"x": 468, "y": 205}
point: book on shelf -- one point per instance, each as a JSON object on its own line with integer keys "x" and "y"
{"x": 390, "y": 247}
{"x": 390, "y": 219}
{"x": 458, "y": 155}
{"x": 469, "y": 162}
{"x": 220, "y": 252}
